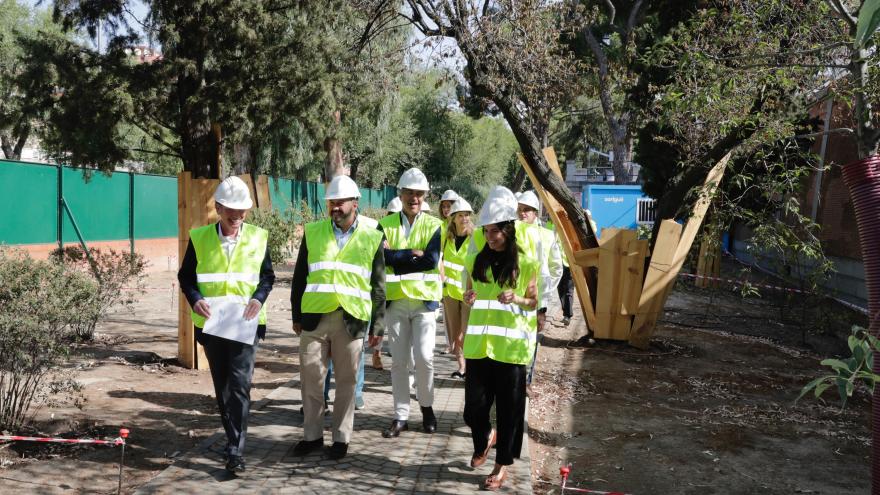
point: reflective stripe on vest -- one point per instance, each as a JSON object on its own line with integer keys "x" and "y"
{"x": 500, "y": 331}
{"x": 453, "y": 268}
{"x": 228, "y": 279}
{"x": 422, "y": 286}
{"x": 339, "y": 277}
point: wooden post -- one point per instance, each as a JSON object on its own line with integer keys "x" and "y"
{"x": 570, "y": 242}
{"x": 670, "y": 251}
{"x": 195, "y": 207}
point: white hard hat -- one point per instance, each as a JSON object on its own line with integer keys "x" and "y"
{"x": 529, "y": 198}
{"x": 426, "y": 206}
{"x": 413, "y": 179}
{"x": 342, "y": 187}
{"x": 449, "y": 195}
{"x": 233, "y": 193}
{"x": 460, "y": 204}
{"x": 500, "y": 206}
{"x": 394, "y": 205}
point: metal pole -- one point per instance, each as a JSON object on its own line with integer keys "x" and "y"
{"x": 123, "y": 433}
{"x": 82, "y": 240}
{"x": 60, "y": 208}
{"x": 131, "y": 211}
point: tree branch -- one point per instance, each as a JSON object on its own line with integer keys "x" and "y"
{"x": 844, "y": 14}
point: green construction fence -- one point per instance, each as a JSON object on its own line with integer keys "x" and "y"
{"x": 50, "y": 203}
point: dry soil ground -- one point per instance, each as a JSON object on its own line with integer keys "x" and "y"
{"x": 708, "y": 409}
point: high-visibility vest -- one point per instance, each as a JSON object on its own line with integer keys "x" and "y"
{"x": 422, "y": 286}
{"x": 502, "y": 332}
{"x": 233, "y": 279}
{"x": 552, "y": 227}
{"x": 527, "y": 237}
{"x": 339, "y": 277}
{"x": 454, "y": 278}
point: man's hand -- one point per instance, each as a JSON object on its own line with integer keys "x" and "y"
{"x": 469, "y": 297}
{"x": 417, "y": 253}
{"x": 542, "y": 320}
{"x": 297, "y": 328}
{"x": 252, "y": 309}
{"x": 506, "y": 297}
{"x": 385, "y": 244}
{"x": 375, "y": 341}
{"x": 202, "y": 308}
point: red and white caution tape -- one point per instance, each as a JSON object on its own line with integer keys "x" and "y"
{"x": 564, "y": 471}
{"x": 120, "y": 440}
{"x": 741, "y": 282}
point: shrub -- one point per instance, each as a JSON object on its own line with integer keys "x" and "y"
{"x": 39, "y": 301}
{"x": 281, "y": 229}
{"x": 113, "y": 271}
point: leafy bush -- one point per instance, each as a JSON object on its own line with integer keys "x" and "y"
{"x": 113, "y": 271}
{"x": 39, "y": 302}
{"x": 848, "y": 372}
{"x": 284, "y": 228}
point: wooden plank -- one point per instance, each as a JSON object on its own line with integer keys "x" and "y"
{"x": 250, "y": 183}
{"x": 695, "y": 222}
{"x": 567, "y": 237}
{"x": 586, "y": 257}
{"x": 658, "y": 279}
{"x": 185, "y": 332}
{"x": 607, "y": 278}
{"x": 263, "y": 198}
{"x": 633, "y": 275}
{"x": 620, "y": 324}
{"x": 701, "y": 266}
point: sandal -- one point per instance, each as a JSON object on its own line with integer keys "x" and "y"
{"x": 458, "y": 374}
{"x": 494, "y": 481}
{"x": 479, "y": 459}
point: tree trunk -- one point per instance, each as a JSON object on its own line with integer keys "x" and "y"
{"x": 13, "y": 151}
{"x": 334, "y": 164}
{"x": 518, "y": 180}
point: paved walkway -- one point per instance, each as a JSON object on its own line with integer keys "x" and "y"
{"x": 413, "y": 463}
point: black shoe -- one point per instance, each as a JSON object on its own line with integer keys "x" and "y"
{"x": 394, "y": 430}
{"x": 304, "y": 447}
{"x": 458, "y": 374}
{"x": 429, "y": 421}
{"x": 235, "y": 464}
{"x": 337, "y": 450}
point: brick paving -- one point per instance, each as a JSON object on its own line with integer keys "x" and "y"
{"x": 415, "y": 462}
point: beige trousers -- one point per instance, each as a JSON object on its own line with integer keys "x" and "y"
{"x": 456, "y": 314}
{"x": 314, "y": 354}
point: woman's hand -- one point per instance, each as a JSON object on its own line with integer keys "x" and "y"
{"x": 507, "y": 297}
{"x": 469, "y": 297}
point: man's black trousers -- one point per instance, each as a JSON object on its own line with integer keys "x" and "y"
{"x": 232, "y": 370}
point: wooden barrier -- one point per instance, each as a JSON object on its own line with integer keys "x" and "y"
{"x": 629, "y": 299}
{"x": 708, "y": 264}
{"x": 195, "y": 208}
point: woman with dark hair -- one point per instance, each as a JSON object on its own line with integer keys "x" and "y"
{"x": 454, "y": 246}
{"x": 500, "y": 338}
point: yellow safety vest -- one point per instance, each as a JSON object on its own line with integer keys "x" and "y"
{"x": 502, "y": 332}
{"x": 527, "y": 237}
{"x": 552, "y": 227}
{"x": 339, "y": 278}
{"x": 234, "y": 279}
{"x": 453, "y": 268}
{"x": 422, "y": 286}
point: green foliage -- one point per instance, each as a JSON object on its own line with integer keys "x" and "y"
{"x": 39, "y": 303}
{"x": 282, "y": 227}
{"x": 869, "y": 20}
{"x": 850, "y": 371}
{"x": 117, "y": 274}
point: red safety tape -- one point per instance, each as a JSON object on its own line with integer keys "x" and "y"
{"x": 564, "y": 471}
{"x": 741, "y": 282}
{"x": 172, "y": 287}
{"x": 13, "y": 438}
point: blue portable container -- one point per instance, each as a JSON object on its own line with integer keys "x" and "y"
{"x": 617, "y": 205}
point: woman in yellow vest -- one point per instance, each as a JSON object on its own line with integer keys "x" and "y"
{"x": 449, "y": 196}
{"x": 454, "y": 248}
{"x": 500, "y": 338}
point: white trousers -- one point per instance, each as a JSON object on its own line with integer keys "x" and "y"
{"x": 411, "y": 328}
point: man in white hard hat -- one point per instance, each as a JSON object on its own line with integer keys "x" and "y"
{"x": 414, "y": 290}
{"x": 394, "y": 206}
{"x": 337, "y": 296}
{"x": 227, "y": 269}
{"x": 550, "y": 258}
{"x": 548, "y": 252}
